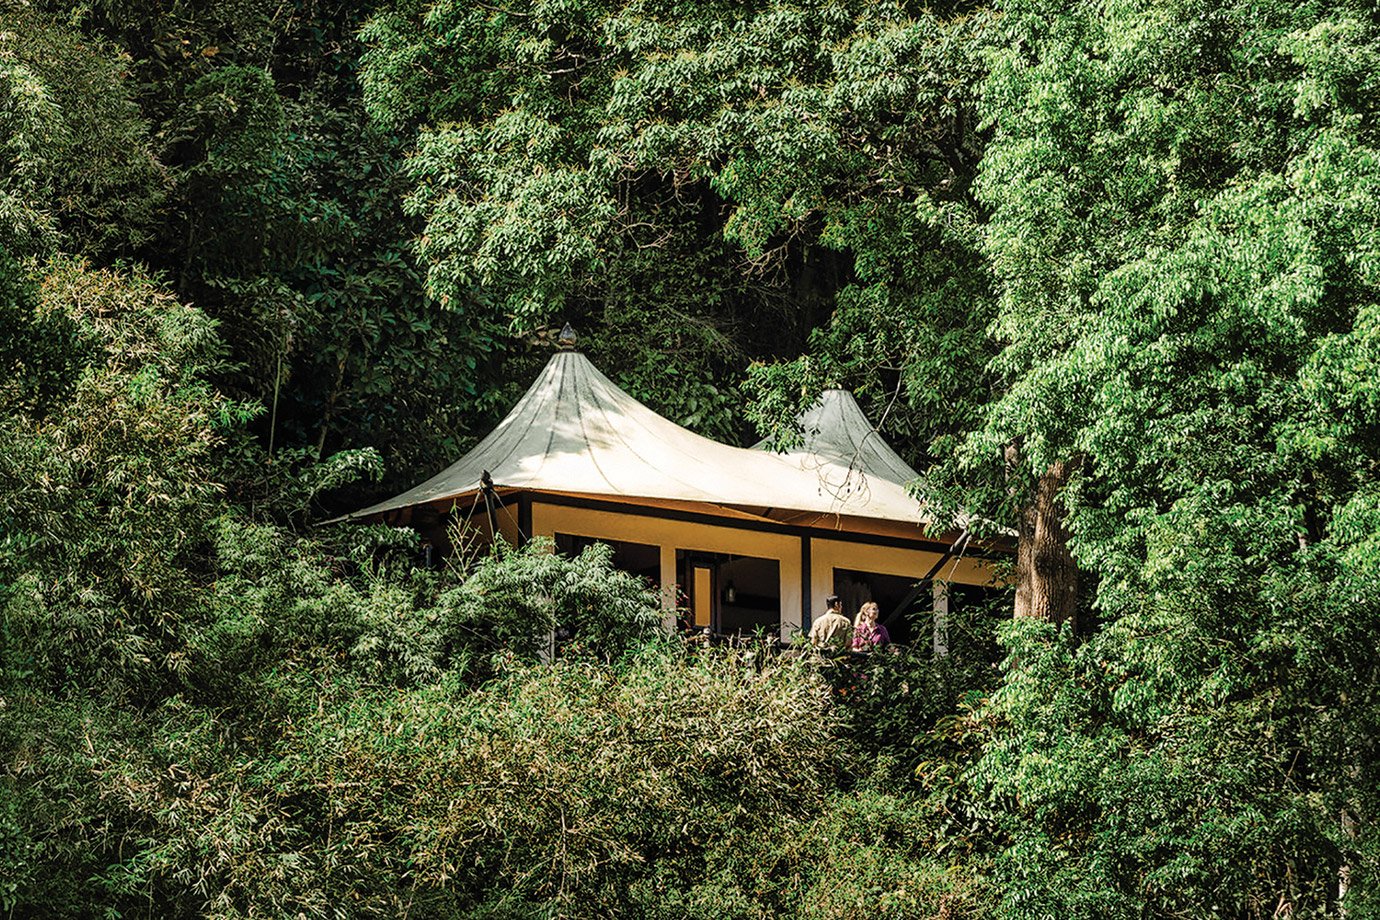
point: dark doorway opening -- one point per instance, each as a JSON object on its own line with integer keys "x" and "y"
{"x": 732, "y": 595}
{"x": 906, "y": 606}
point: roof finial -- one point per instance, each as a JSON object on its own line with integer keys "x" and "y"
{"x": 567, "y": 338}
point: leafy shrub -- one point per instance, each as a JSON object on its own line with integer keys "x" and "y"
{"x": 105, "y": 495}
{"x": 575, "y": 788}
{"x": 515, "y": 601}
{"x": 881, "y": 853}
{"x": 891, "y": 699}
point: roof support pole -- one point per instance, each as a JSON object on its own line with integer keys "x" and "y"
{"x": 941, "y": 618}
{"x": 524, "y": 519}
{"x": 489, "y": 511}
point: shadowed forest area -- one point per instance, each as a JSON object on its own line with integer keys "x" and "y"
{"x": 1107, "y": 274}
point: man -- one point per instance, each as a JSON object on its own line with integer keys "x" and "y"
{"x": 832, "y": 632}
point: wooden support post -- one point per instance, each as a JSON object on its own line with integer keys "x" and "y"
{"x": 668, "y": 586}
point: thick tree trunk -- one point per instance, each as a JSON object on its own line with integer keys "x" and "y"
{"x": 1046, "y": 574}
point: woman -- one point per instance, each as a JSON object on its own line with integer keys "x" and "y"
{"x": 867, "y": 632}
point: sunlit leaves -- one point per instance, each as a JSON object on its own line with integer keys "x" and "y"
{"x": 1180, "y": 224}
{"x": 76, "y": 168}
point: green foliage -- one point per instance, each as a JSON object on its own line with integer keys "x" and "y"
{"x": 736, "y": 166}
{"x": 517, "y": 601}
{"x": 1139, "y": 237}
{"x": 294, "y": 240}
{"x": 76, "y": 169}
{"x": 1177, "y": 264}
{"x": 106, "y": 494}
{"x": 225, "y": 147}
{"x": 40, "y": 353}
{"x": 276, "y": 598}
{"x": 886, "y": 859}
{"x": 610, "y": 783}
{"x": 892, "y": 702}
{"x": 841, "y": 143}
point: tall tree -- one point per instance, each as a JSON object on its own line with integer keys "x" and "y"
{"x": 1183, "y": 236}
{"x": 225, "y": 146}
{"x": 77, "y": 170}
{"x": 755, "y": 169}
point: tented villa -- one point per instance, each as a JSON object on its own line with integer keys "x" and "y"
{"x": 742, "y": 539}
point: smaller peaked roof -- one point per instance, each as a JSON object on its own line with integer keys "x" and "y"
{"x": 577, "y": 432}
{"x": 840, "y": 444}
{"x": 837, "y": 433}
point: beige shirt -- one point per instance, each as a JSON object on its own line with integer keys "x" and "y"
{"x": 833, "y": 630}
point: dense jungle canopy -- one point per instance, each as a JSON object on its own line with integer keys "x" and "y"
{"x": 1108, "y": 275}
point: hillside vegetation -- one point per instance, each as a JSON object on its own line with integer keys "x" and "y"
{"x": 1108, "y": 274}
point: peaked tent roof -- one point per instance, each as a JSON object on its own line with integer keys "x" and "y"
{"x": 839, "y": 441}
{"x": 836, "y": 431}
{"x": 575, "y": 431}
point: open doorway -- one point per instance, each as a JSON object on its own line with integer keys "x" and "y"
{"x": 732, "y": 595}
{"x": 902, "y": 601}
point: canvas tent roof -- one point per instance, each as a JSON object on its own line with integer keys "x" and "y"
{"x": 837, "y": 433}
{"x": 575, "y": 431}
{"x": 839, "y": 441}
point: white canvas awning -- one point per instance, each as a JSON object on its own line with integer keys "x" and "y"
{"x": 576, "y": 432}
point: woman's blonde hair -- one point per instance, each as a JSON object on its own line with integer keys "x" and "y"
{"x": 869, "y": 611}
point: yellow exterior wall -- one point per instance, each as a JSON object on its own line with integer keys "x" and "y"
{"x": 548, "y": 520}
{"x": 507, "y": 517}
{"x": 827, "y": 555}
{"x": 703, "y": 595}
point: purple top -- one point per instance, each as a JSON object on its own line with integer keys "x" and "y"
{"x": 866, "y": 638}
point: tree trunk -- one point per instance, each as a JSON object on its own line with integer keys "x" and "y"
{"x": 330, "y": 404}
{"x": 1046, "y": 575}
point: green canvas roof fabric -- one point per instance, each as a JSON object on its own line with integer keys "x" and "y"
{"x": 575, "y": 431}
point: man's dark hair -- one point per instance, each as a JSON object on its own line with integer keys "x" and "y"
{"x": 830, "y": 601}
